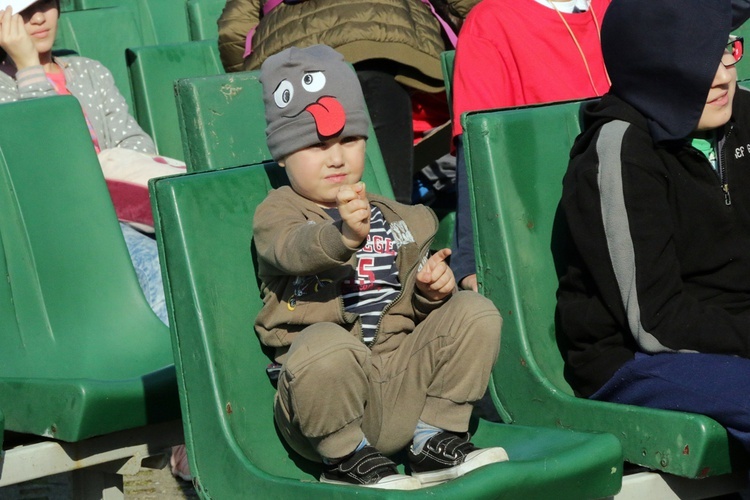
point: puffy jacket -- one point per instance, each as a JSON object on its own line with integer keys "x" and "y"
{"x": 404, "y": 31}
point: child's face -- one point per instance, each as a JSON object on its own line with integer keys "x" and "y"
{"x": 40, "y": 21}
{"x": 718, "y": 108}
{"x": 317, "y": 172}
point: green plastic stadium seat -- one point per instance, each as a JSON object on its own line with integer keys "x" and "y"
{"x": 447, "y": 217}
{"x": 159, "y": 21}
{"x": 153, "y": 72}
{"x": 81, "y": 353}
{"x": 223, "y": 124}
{"x": 66, "y": 5}
{"x": 81, "y": 32}
{"x": 516, "y": 160}
{"x": 446, "y": 61}
{"x": 202, "y": 17}
{"x": 204, "y": 227}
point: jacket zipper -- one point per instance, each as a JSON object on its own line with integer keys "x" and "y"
{"x": 398, "y": 297}
{"x": 723, "y": 175}
{"x": 426, "y": 244}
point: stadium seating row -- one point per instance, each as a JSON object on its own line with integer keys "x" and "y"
{"x": 159, "y": 21}
{"x": 516, "y": 208}
{"x": 171, "y": 25}
{"x": 71, "y": 302}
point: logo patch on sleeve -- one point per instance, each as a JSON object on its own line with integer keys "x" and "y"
{"x": 401, "y": 233}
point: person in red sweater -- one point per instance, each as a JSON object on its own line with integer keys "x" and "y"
{"x": 514, "y": 53}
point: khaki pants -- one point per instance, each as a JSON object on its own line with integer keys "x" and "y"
{"x": 333, "y": 391}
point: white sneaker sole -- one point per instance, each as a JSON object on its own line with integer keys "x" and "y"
{"x": 396, "y": 482}
{"x": 474, "y": 460}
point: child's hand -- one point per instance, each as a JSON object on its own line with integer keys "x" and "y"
{"x": 354, "y": 208}
{"x": 15, "y": 41}
{"x": 436, "y": 280}
{"x": 470, "y": 283}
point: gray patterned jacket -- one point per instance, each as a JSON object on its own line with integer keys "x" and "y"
{"x": 92, "y": 84}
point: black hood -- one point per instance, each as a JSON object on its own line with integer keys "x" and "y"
{"x": 662, "y": 56}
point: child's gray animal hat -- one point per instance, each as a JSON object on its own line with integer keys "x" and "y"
{"x": 311, "y": 95}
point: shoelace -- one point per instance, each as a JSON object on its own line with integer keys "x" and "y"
{"x": 371, "y": 463}
{"x": 454, "y": 445}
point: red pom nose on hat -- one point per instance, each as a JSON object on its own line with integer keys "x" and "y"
{"x": 329, "y": 116}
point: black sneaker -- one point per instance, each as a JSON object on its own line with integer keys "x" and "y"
{"x": 447, "y": 456}
{"x": 368, "y": 467}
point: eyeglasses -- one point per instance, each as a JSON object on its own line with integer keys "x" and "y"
{"x": 733, "y": 52}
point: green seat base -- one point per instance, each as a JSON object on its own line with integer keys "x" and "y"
{"x": 75, "y": 409}
{"x": 544, "y": 463}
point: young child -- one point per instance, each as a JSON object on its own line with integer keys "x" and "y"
{"x": 655, "y": 298}
{"x": 377, "y": 350}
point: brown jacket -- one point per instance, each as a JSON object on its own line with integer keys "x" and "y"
{"x": 302, "y": 262}
{"x": 399, "y": 30}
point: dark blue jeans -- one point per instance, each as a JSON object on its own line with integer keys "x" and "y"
{"x": 714, "y": 385}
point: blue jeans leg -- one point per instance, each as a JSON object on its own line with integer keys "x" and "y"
{"x": 145, "y": 257}
{"x": 715, "y": 385}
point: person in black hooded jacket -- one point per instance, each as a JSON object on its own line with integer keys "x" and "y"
{"x": 654, "y": 296}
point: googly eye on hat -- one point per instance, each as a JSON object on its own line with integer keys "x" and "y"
{"x": 18, "y": 5}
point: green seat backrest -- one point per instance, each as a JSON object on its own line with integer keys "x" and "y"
{"x": 81, "y": 32}
{"x": 202, "y": 17}
{"x": 153, "y": 72}
{"x": 743, "y": 67}
{"x": 159, "y": 21}
{"x": 81, "y": 352}
{"x": 204, "y": 226}
{"x": 447, "y": 60}
{"x": 516, "y": 159}
{"x": 447, "y": 217}
{"x": 223, "y": 124}
{"x": 67, "y": 5}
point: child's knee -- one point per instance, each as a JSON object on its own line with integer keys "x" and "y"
{"x": 480, "y": 321}
{"x": 326, "y": 350}
{"x": 474, "y": 307}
